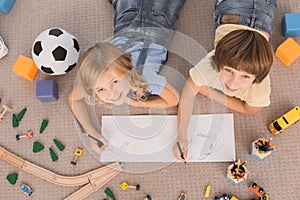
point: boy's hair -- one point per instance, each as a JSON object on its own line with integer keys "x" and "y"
{"x": 106, "y": 57}
{"x": 245, "y": 50}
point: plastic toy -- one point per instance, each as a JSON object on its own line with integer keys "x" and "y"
{"x": 258, "y": 191}
{"x": 288, "y": 51}
{"x": 55, "y": 51}
{"x": 37, "y": 147}
{"x": 3, "y": 48}
{"x": 5, "y": 110}
{"x": 109, "y": 193}
{"x": 261, "y": 148}
{"x": 78, "y": 153}
{"x": 46, "y": 90}
{"x": 59, "y": 145}
{"x": 6, "y": 5}
{"x": 264, "y": 197}
{"x": 125, "y": 186}
{"x": 44, "y": 124}
{"x": 99, "y": 142}
{"x": 92, "y": 180}
{"x": 12, "y": 178}
{"x": 183, "y": 196}
{"x": 290, "y": 25}
{"x": 26, "y": 190}
{"x": 25, "y": 68}
{"x": 207, "y": 191}
{"x": 53, "y": 155}
{"x": 280, "y": 124}
{"x": 237, "y": 172}
{"x": 15, "y": 122}
{"x": 27, "y": 135}
{"x": 226, "y": 197}
{"x": 148, "y": 197}
{"x": 21, "y": 114}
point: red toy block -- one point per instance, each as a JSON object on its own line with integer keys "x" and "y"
{"x": 288, "y": 51}
{"x": 25, "y": 68}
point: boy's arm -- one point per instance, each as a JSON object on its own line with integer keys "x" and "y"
{"x": 230, "y": 102}
{"x": 169, "y": 97}
{"x": 185, "y": 111}
{"x": 77, "y": 105}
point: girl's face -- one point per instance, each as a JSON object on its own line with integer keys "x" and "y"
{"x": 234, "y": 81}
{"x": 112, "y": 89}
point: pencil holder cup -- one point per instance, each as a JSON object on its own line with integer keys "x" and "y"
{"x": 237, "y": 173}
{"x": 261, "y": 148}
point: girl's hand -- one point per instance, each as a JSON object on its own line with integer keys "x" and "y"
{"x": 184, "y": 144}
{"x": 98, "y": 148}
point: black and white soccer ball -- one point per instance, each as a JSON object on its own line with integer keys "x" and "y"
{"x": 55, "y": 51}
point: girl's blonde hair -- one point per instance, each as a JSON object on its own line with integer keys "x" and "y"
{"x": 245, "y": 50}
{"x": 105, "y": 57}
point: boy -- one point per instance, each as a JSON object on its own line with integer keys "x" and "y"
{"x": 235, "y": 73}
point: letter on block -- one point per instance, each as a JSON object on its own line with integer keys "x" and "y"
{"x": 25, "y": 68}
{"x": 288, "y": 51}
{"x": 6, "y": 5}
{"x": 291, "y": 25}
{"x": 46, "y": 90}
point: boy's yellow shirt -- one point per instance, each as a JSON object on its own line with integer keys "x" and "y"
{"x": 205, "y": 73}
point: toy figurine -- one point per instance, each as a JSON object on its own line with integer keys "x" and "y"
{"x": 26, "y": 190}
{"x": 78, "y": 153}
{"x": 27, "y": 135}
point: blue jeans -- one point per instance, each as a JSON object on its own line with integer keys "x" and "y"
{"x": 257, "y": 14}
{"x": 153, "y": 19}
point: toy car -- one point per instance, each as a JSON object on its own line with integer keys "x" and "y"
{"x": 183, "y": 196}
{"x": 285, "y": 120}
{"x": 256, "y": 189}
{"x": 226, "y": 197}
{"x": 26, "y": 190}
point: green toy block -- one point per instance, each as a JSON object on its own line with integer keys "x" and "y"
{"x": 12, "y": 178}
{"x": 21, "y": 114}
{"x": 109, "y": 193}
{"x": 15, "y": 122}
{"x": 43, "y": 125}
{"x": 53, "y": 155}
{"x": 59, "y": 145}
{"x": 37, "y": 147}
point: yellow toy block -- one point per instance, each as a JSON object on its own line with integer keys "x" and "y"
{"x": 288, "y": 51}
{"x": 25, "y": 68}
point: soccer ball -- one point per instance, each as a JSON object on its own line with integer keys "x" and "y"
{"x": 55, "y": 51}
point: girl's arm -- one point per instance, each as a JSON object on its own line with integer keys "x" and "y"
{"x": 230, "y": 102}
{"x": 77, "y": 105}
{"x": 169, "y": 97}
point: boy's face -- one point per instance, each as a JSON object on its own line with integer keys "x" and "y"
{"x": 112, "y": 89}
{"x": 234, "y": 81}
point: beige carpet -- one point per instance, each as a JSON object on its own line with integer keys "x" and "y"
{"x": 91, "y": 21}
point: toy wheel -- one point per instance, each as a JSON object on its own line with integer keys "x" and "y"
{"x": 254, "y": 185}
{"x": 261, "y": 190}
{"x": 264, "y": 198}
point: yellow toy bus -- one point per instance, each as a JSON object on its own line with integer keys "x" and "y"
{"x": 285, "y": 120}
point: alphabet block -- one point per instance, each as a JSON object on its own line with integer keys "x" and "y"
{"x": 6, "y": 5}
{"x": 288, "y": 51}
{"x": 291, "y": 25}
{"x": 25, "y": 68}
{"x": 46, "y": 90}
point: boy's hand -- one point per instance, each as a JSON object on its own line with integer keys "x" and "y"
{"x": 98, "y": 148}
{"x": 183, "y": 143}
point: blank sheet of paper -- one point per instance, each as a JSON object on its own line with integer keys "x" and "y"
{"x": 150, "y": 138}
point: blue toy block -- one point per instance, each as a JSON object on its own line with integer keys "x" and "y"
{"x": 46, "y": 90}
{"x": 291, "y": 25}
{"x": 6, "y": 5}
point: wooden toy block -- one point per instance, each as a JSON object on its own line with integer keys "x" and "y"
{"x": 46, "y": 90}
{"x": 25, "y": 68}
{"x": 290, "y": 24}
{"x": 288, "y": 51}
{"x": 261, "y": 148}
{"x": 6, "y": 5}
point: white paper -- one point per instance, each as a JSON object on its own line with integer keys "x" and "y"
{"x": 150, "y": 138}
